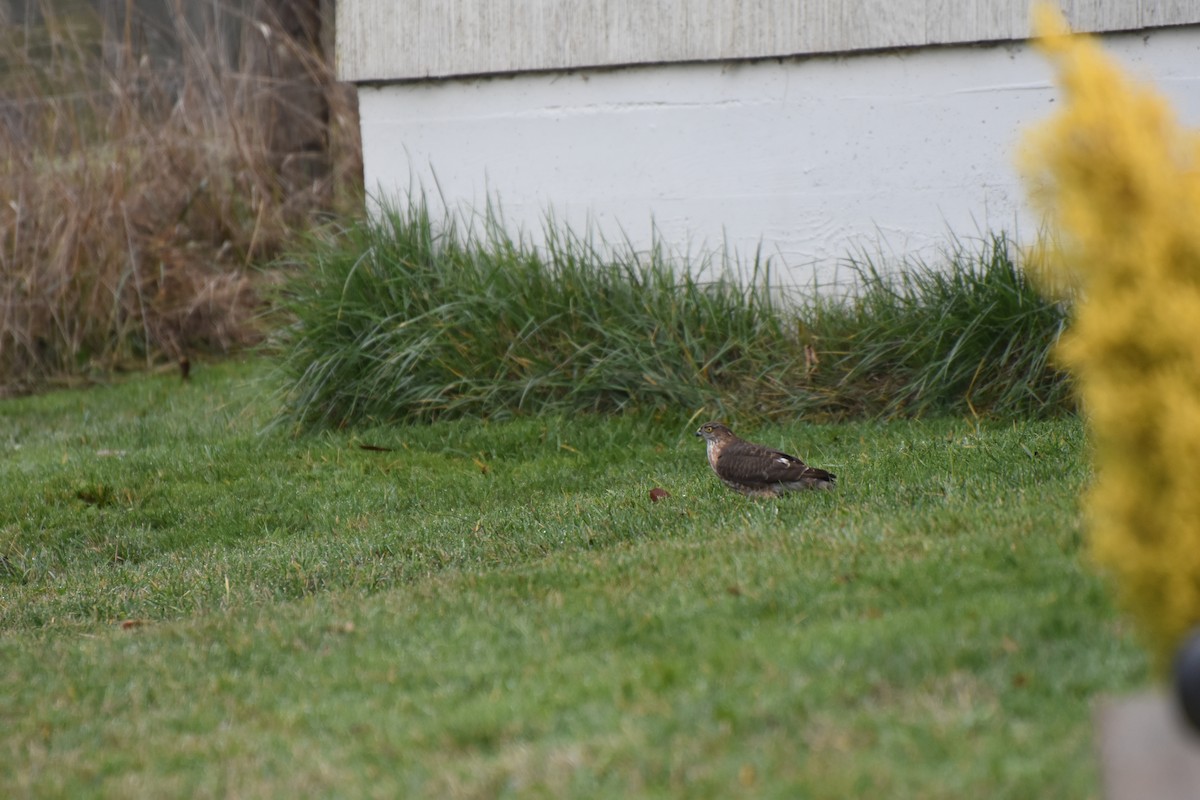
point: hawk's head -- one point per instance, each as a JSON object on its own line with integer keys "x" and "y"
{"x": 714, "y": 432}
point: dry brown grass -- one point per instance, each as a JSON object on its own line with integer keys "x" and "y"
{"x": 142, "y": 198}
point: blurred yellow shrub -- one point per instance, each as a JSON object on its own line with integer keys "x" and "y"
{"x": 1119, "y": 182}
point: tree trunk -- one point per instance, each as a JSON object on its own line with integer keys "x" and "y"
{"x": 286, "y": 49}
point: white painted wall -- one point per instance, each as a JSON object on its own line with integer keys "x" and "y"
{"x": 814, "y": 158}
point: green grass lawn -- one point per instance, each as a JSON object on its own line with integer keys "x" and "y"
{"x": 190, "y": 607}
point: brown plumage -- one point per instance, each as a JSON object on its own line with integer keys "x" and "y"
{"x": 758, "y": 471}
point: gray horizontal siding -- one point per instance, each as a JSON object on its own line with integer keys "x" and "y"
{"x": 405, "y": 39}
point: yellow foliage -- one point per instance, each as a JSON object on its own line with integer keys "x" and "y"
{"x": 1119, "y": 181}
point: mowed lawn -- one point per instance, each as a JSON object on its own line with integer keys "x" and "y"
{"x": 191, "y": 606}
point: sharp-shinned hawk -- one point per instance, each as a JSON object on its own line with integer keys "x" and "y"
{"x": 755, "y": 470}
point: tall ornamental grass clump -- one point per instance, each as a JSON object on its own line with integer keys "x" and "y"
{"x": 1119, "y": 181}
{"x": 408, "y": 318}
{"x": 970, "y": 334}
{"x": 400, "y": 318}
